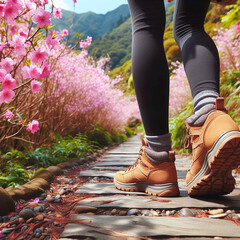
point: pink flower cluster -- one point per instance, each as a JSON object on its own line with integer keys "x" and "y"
{"x": 86, "y": 43}
{"x": 72, "y": 91}
{"x": 180, "y": 93}
{"x": 228, "y": 44}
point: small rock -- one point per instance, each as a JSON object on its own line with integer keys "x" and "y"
{"x": 185, "y": 212}
{"x": 6, "y": 231}
{"x": 215, "y": 211}
{"x": 39, "y": 217}
{"x": 229, "y": 211}
{"x": 236, "y": 216}
{"x": 38, "y": 232}
{"x": 168, "y": 213}
{"x": 58, "y": 197}
{"x": 26, "y": 213}
{"x": 58, "y": 200}
{"x": 133, "y": 212}
{"x": 218, "y": 215}
{"x": 14, "y": 218}
{"x": 21, "y": 220}
{"x": 173, "y": 212}
{"x": 154, "y": 213}
{"x": 83, "y": 209}
{"x": 114, "y": 212}
{"x": 32, "y": 204}
{"x": 43, "y": 196}
{"x": 146, "y": 213}
{"x": 39, "y": 209}
{"x": 122, "y": 213}
{"x": 5, "y": 218}
{"x": 49, "y": 199}
{"x": 24, "y": 228}
{"x": 163, "y": 211}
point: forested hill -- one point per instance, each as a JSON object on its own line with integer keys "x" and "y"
{"x": 90, "y": 23}
{"x": 117, "y": 43}
{"x": 111, "y": 32}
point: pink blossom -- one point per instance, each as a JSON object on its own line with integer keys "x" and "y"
{"x": 65, "y": 32}
{"x": 18, "y": 44}
{"x": 45, "y": 69}
{"x": 11, "y": 11}
{"x": 57, "y": 12}
{"x": 23, "y": 32}
{"x": 39, "y": 56}
{"x": 33, "y": 126}
{"x": 75, "y": 1}
{"x": 1, "y": 10}
{"x": 51, "y": 43}
{"x": 14, "y": 29}
{"x": 8, "y": 114}
{"x": 35, "y": 72}
{"x": 238, "y": 27}
{"x": 25, "y": 72}
{"x": 238, "y": 65}
{"x": 86, "y": 43}
{"x": 42, "y": 17}
{"x": 6, "y": 96}
{"x": 7, "y": 64}
{"x": 8, "y": 83}
{"x": 2, "y": 46}
{"x": 35, "y": 86}
{"x": 3, "y": 73}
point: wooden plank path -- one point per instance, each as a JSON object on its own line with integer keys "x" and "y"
{"x": 105, "y": 226}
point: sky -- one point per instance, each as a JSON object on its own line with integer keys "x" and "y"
{"x": 97, "y": 6}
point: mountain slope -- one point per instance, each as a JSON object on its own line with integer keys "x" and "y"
{"x": 90, "y": 23}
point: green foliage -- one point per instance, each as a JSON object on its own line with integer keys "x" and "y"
{"x": 177, "y": 128}
{"x": 117, "y": 44}
{"x": 230, "y": 89}
{"x": 232, "y": 16}
{"x": 64, "y": 149}
{"x": 14, "y": 175}
{"x": 100, "y": 136}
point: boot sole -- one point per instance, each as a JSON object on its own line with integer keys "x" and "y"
{"x": 215, "y": 176}
{"x": 161, "y": 190}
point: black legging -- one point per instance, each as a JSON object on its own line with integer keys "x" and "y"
{"x": 149, "y": 65}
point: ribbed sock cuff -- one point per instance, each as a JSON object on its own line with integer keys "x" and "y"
{"x": 160, "y": 143}
{"x": 203, "y": 98}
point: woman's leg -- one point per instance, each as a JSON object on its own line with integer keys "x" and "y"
{"x": 199, "y": 53}
{"x": 213, "y": 135}
{"x": 149, "y": 65}
{"x": 154, "y": 170}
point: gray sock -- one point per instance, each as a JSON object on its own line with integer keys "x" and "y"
{"x": 160, "y": 143}
{"x": 204, "y": 98}
{"x": 203, "y": 103}
{"x": 156, "y": 157}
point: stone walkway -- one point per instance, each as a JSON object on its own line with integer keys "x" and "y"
{"x": 135, "y": 215}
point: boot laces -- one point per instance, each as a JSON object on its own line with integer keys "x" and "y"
{"x": 137, "y": 160}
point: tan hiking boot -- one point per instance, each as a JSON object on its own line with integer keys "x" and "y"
{"x": 216, "y": 152}
{"x": 158, "y": 179}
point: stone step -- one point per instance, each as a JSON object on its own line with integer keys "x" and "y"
{"x": 151, "y": 202}
{"x": 132, "y": 227}
{"x": 111, "y": 174}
